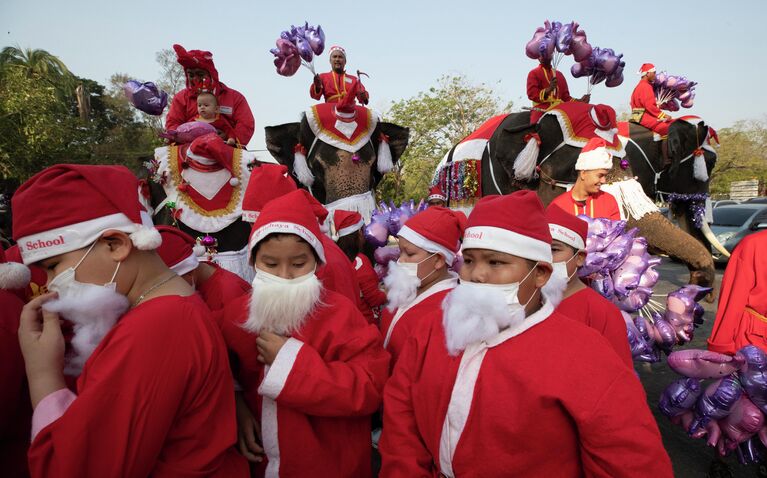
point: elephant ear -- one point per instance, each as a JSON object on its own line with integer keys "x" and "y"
{"x": 398, "y": 139}
{"x": 281, "y": 141}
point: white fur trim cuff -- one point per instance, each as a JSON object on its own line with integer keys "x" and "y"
{"x": 287, "y": 228}
{"x": 277, "y": 375}
{"x": 427, "y": 245}
{"x": 508, "y": 242}
{"x": 187, "y": 265}
{"x": 568, "y": 236}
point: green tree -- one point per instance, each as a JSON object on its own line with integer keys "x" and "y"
{"x": 37, "y": 63}
{"x": 172, "y": 78}
{"x": 741, "y": 156}
{"x": 438, "y": 118}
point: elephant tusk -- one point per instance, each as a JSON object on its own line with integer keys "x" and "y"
{"x": 709, "y": 234}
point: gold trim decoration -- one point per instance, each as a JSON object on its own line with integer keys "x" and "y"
{"x": 175, "y": 174}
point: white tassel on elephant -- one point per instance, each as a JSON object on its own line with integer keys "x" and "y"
{"x": 385, "y": 163}
{"x": 524, "y": 163}
{"x": 631, "y": 198}
{"x": 699, "y": 170}
{"x": 300, "y": 167}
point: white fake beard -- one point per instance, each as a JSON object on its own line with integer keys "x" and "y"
{"x": 475, "y": 313}
{"x": 93, "y": 311}
{"x": 282, "y": 308}
{"x": 401, "y": 287}
{"x": 553, "y": 290}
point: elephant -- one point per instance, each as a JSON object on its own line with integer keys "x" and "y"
{"x": 556, "y": 170}
{"x": 343, "y": 180}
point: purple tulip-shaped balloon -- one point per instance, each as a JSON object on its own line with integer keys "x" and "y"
{"x": 753, "y": 375}
{"x": 595, "y": 262}
{"x": 637, "y": 343}
{"x": 288, "y": 35}
{"x": 618, "y": 250}
{"x": 565, "y": 37}
{"x": 533, "y": 46}
{"x": 626, "y": 277}
{"x": 679, "y": 396}
{"x": 580, "y": 47}
{"x": 666, "y": 332}
{"x": 635, "y": 300}
{"x": 603, "y": 284}
{"x": 377, "y": 232}
{"x": 316, "y": 38}
{"x": 386, "y": 254}
{"x": 304, "y": 49}
{"x": 696, "y": 363}
{"x": 546, "y": 48}
{"x": 743, "y": 422}
{"x": 146, "y": 97}
{"x": 716, "y": 401}
{"x": 615, "y": 79}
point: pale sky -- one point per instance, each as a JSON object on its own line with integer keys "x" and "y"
{"x": 406, "y": 46}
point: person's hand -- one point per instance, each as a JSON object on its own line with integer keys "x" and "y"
{"x": 317, "y": 82}
{"x": 248, "y": 431}
{"x": 269, "y": 346}
{"x": 363, "y": 97}
{"x": 585, "y": 98}
{"x": 42, "y": 345}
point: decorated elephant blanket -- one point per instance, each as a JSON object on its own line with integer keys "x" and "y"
{"x": 346, "y": 131}
{"x": 459, "y": 172}
{"x": 581, "y": 121}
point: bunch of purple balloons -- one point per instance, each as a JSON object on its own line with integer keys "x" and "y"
{"x": 673, "y": 92}
{"x": 730, "y": 411}
{"x": 146, "y": 97}
{"x": 388, "y": 219}
{"x": 555, "y": 40}
{"x": 298, "y": 46}
{"x": 603, "y": 64}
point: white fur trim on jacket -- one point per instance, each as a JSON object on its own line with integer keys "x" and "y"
{"x": 277, "y": 374}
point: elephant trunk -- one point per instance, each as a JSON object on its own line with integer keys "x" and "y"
{"x": 709, "y": 235}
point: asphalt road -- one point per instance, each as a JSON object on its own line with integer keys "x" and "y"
{"x": 691, "y": 458}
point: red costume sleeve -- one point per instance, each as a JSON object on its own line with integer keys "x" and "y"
{"x": 155, "y": 399}
{"x": 242, "y": 117}
{"x": 403, "y": 452}
{"x": 347, "y": 381}
{"x": 612, "y": 210}
{"x": 221, "y": 288}
{"x": 534, "y": 89}
{"x": 368, "y": 281}
{"x": 178, "y": 114}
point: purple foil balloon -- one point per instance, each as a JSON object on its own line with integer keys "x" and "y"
{"x": 716, "y": 402}
{"x": 146, "y": 97}
{"x": 287, "y": 59}
{"x": 580, "y": 46}
{"x": 650, "y": 276}
{"x": 667, "y": 334}
{"x": 187, "y": 132}
{"x": 304, "y": 49}
{"x": 579, "y": 70}
{"x": 695, "y": 363}
{"x": 637, "y": 343}
{"x": 316, "y": 38}
{"x": 635, "y": 300}
{"x": 377, "y": 232}
{"x": 753, "y": 375}
{"x": 595, "y": 262}
{"x": 743, "y": 422}
{"x": 532, "y": 47}
{"x": 604, "y": 285}
{"x": 565, "y": 37}
{"x": 386, "y": 254}
{"x": 616, "y": 79}
{"x": 626, "y": 277}
{"x": 679, "y": 396}
{"x": 546, "y": 48}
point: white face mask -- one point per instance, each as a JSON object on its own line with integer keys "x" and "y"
{"x": 560, "y": 269}
{"x": 263, "y": 277}
{"x": 92, "y": 308}
{"x": 411, "y": 268}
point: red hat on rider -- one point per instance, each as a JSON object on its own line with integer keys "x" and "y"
{"x": 337, "y": 48}
{"x": 210, "y": 152}
{"x": 594, "y": 156}
{"x": 646, "y": 68}
{"x": 267, "y": 182}
{"x": 567, "y": 228}
{"x": 197, "y": 59}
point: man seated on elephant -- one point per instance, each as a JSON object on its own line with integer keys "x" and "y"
{"x": 547, "y": 88}
{"x": 335, "y": 84}
{"x": 645, "y": 110}
{"x": 587, "y": 197}
{"x": 200, "y": 71}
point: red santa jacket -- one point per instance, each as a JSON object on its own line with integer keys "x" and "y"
{"x": 601, "y": 204}
{"x": 537, "y": 82}
{"x": 337, "y": 273}
{"x": 221, "y": 288}
{"x": 233, "y": 106}
{"x": 371, "y": 294}
{"x": 643, "y": 98}
{"x": 590, "y": 308}
{"x": 398, "y": 325}
{"x": 154, "y": 399}
{"x": 15, "y": 407}
{"x": 315, "y": 401}
{"x": 741, "y": 318}
{"x": 517, "y": 406}
{"x": 335, "y": 86}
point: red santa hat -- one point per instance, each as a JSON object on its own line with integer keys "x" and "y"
{"x": 68, "y": 206}
{"x": 196, "y": 59}
{"x": 646, "y": 68}
{"x": 318, "y": 209}
{"x": 594, "y": 156}
{"x": 179, "y": 250}
{"x": 436, "y": 194}
{"x": 513, "y": 224}
{"x": 210, "y": 152}
{"x": 12, "y": 274}
{"x": 437, "y": 230}
{"x": 346, "y": 222}
{"x": 288, "y": 214}
{"x": 267, "y": 182}
{"x": 336, "y": 48}
{"x": 567, "y": 228}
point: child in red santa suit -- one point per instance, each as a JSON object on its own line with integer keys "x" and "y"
{"x": 207, "y": 112}
{"x": 500, "y": 384}
{"x": 580, "y": 302}
{"x": 310, "y": 367}
{"x": 154, "y": 392}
